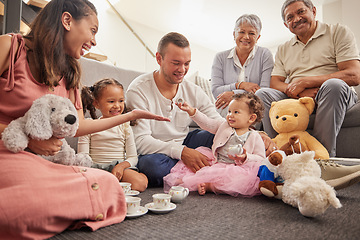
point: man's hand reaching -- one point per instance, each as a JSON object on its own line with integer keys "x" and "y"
{"x": 193, "y": 159}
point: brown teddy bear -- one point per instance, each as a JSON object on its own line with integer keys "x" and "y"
{"x": 290, "y": 117}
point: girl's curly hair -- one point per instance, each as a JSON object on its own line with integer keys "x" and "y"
{"x": 255, "y": 104}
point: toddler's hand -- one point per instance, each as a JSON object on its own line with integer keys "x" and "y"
{"x": 186, "y": 107}
{"x": 239, "y": 159}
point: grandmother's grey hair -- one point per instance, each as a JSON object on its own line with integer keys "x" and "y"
{"x": 251, "y": 19}
{"x": 307, "y": 3}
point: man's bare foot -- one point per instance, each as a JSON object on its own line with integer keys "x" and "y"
{"x": 202, "y": 188}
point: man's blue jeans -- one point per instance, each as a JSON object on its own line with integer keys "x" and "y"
{"x": 156, "y": 166}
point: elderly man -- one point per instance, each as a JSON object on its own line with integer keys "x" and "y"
{"x": 322, "y": 62}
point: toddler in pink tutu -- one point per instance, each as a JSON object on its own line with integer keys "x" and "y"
{"x": 236, "y": 154}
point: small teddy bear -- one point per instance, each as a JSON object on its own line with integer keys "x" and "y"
{"x": 48, "y": 116}
{"x": 291, "y": 117}
{"x": 270, "y": 181}
{"x": 293, "y": 146}
{"x": 303, "y": 188}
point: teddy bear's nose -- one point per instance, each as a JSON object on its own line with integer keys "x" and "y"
{"x": 70, "y": 119}
{"x": 284, "y": 118}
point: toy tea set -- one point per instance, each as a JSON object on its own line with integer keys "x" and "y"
{"x": 162, "y": 202}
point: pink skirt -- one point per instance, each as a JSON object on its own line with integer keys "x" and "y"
{"x": 235, "y": 180}
{"x": 40, "y": 199}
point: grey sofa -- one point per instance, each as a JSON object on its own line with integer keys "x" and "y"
{"x": 349, "y": 135}
{"x": 347, "y": 140}
{"x": 92, "y": 71}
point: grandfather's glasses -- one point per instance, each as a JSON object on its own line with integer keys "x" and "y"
{"x": 290, "y": 17}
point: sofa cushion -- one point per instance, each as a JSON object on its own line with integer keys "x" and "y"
{"x": 352, "y": 117}
{"x": 93, "y": 71}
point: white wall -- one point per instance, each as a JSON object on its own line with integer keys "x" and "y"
{"x": 124, "y": 50}
{"x": 115, "y": 40}
{"x": 351, "y": 17}
{"x": 346, "y": 12}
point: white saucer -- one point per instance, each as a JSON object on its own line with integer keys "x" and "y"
{"x": 140, "y": 212}
{"x": 132, "y": 193}
{"x": 150, "y": 206}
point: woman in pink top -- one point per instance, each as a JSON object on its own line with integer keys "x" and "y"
{"x": 38, "y": 198}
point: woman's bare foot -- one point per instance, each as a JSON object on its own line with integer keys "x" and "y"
{"x": 203, "y": 187}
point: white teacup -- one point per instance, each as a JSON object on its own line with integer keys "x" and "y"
{"x": 235, "y": 150}
{"x": 132, "y": 204}
{"x": 161, "y": 200}
{"x": 126, "y": 186}
{"x": 178, "y": 193}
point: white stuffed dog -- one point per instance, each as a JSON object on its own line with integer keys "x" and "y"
{"x": 303, "y": 188}
{"x": 49, "y": 115}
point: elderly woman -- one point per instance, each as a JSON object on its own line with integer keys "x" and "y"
{"x": 246, "y": 67}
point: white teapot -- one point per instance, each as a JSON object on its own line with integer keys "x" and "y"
{"x": 178, "y": 193}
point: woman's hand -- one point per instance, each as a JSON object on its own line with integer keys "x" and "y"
{"x": 48, "y": 147}
{"x": 249, "y": 87}
{"x": 224, "y": 99}
{"x": 137, "y": 113}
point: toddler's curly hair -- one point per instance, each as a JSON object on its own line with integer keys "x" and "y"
{"x": 255, "y": 104}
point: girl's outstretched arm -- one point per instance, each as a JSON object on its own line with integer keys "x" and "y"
{"x": 87, "y": 126}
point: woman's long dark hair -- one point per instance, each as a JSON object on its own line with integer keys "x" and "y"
{"x": 47, "y": 34}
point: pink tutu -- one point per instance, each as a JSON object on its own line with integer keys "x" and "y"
{"x": 174, "y": 178}
{"x": 226, "y": 178}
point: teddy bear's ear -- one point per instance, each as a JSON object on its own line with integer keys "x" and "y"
{"x": 37, "y": 124}
{"x": 309, "y": 103}
{"x": 272, "y": 104}
{"x": 275, "y": 158}
{"x": 272, "y": 108}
